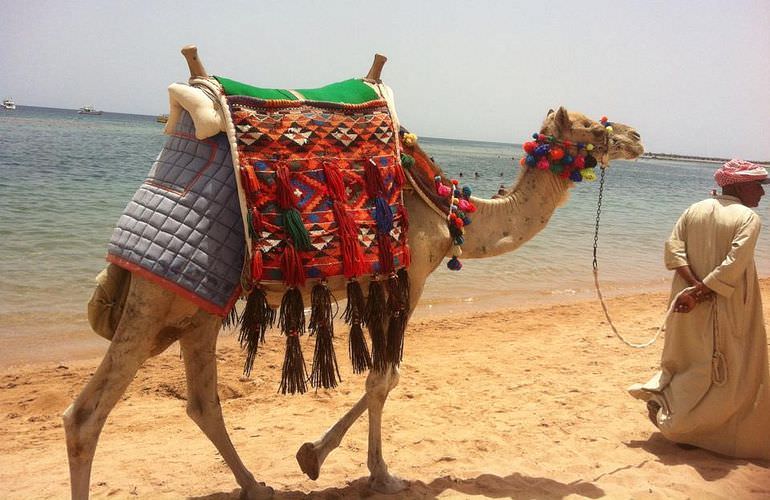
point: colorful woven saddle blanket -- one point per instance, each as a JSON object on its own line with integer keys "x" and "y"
{"x": 321, "y": 181}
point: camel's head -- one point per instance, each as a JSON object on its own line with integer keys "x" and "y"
{"x": 618, "y": 142}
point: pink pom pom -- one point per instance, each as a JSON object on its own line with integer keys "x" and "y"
{"x": 444, "y": 190}
{"x": 543, "y": 164}
{"x": 580, "y": 162}
{"x": 463, "y": 204}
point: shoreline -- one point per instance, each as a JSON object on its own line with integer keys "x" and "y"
{"x": 68, "y": 337}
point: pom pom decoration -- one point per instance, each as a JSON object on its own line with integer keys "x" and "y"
{"x": 556, "y": 154}
{"x": 454, "y": 264}
{"x": 409, "y": 139}
{"x": 459, "y": 206}
{"x": 588, "y": 174}
{"x": 568, "y": 160}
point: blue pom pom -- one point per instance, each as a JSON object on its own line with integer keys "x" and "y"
{"x": 566, "y": 160}
{"x": 535, "y": 135}
{"x": 542, "y": 150}
{"x": 531, "y": 161}
{"x": 580, "y": 145}
{"x": 575, "y": 176}
{"x": 457, "y": 193}
{"x": 454, "y": 264}
{"x": 466, "y": 220}
{"x": 459, "y": 240}
{"x": 466, "y": 192}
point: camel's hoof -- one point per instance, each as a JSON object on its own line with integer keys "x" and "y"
{"x": 388, "y": 484}
{"x": 257, "y": 492}
{"x": 308, "y": 461}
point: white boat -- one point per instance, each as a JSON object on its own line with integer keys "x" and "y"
{"x": 89, "y": 110}
{"x": 9, "y": 104}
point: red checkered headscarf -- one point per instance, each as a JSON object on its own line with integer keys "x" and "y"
{"x": 736, "y": 171}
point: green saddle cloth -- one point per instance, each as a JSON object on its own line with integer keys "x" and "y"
{"x": 353, "y": 91}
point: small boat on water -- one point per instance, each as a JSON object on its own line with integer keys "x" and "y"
{"x": 89, "y": 110}
{"x": 162, "y": 119}
{"x": 9, "y": 104}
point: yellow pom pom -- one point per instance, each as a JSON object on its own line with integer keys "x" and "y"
{"x": 410, "y": 139}
{"x": 589, "y": 147}
{"x": 609, "y": 129}
{"x": 588, "y": 174}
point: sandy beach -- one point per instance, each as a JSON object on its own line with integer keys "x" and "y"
{"x": 521, "y": 403}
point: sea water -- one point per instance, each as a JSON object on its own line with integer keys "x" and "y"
{"x": 65, "y": 179}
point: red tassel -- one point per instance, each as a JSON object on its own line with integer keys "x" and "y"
{"x": 291, "y": 266}
{"x": 352, "y": 255}
{"x": 386, "y": 253}
{"x": 374, "y": 183}
{"x": 406, "y": 256}
{"x": 286, "y": 198}
{"x": 398, "y": 175}
{"x": 334, "y": 182}
{"x": 404, "y": 216}
{"x": 256, "y": 264}
{"x": 256, "y": 220}
{"x": 251, "y": 184}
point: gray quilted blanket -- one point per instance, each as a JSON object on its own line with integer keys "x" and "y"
{"x": 183, "y": 227}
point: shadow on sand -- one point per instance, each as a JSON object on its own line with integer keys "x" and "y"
{"x": 711, "y": 466}
{"x": 512, "y": 486}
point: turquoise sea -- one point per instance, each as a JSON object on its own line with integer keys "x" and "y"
{"x": 65, "y": 179}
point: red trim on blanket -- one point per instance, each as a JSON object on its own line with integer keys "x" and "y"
{"x": 204, "y": 304}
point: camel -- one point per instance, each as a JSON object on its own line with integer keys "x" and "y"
{"x": 154, "y": 318}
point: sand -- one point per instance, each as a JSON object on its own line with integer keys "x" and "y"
{"x": 522, "y": 403}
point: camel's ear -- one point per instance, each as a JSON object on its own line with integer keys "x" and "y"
{"x": 550, "y": 112}
{"x": 563, "y": 123}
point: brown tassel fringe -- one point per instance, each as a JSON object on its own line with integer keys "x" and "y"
{"x": 257, "y": 317}
{"x": 231, "y": 319}
{"x": 374, "y": 318}
{"x": 398, "y": 309}
{"x": 293, "y": 370}
{"x": 324, "y": 372}
{"x": 291, "y": 321}
{"x": 353, "y": 316}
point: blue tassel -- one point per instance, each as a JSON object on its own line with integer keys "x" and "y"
{"x": 383, "y": 215}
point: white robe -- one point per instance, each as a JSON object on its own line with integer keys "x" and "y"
{"x": 713, "y": 385}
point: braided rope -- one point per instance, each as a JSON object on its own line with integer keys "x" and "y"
{"x": 595, "y": 264}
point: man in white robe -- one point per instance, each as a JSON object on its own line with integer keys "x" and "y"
{"x": 713, "y": 387}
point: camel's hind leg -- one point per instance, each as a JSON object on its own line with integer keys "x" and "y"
{"x": 139, "y": 336}
{"x": 199, "y": 351}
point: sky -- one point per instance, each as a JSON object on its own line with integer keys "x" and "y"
{"x": 693, "y": 77}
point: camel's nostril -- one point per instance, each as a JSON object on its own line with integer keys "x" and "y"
{"x": 635, "y": 135}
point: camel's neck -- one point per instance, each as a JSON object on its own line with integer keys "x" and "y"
{"x": 504, "y": 224}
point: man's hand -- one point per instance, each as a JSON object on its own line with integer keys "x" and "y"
{"x": 685, "y": 302}
{"x": 689, "y": 298}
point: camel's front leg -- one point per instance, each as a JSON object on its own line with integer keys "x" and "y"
{"x": 312, "y": 455}
{"x": 199, "y": 351}
{"x": 378, "y": 385}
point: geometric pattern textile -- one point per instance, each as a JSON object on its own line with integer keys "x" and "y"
{"x": 305, "y": 138}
